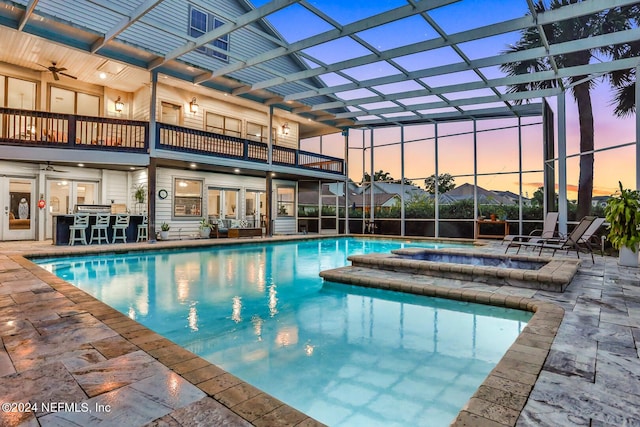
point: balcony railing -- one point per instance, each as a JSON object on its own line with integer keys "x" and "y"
{"x": 42, "y": 129}
{"x": 176, "y": 138}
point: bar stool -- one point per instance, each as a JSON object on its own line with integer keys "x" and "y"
{"x": 80, "y": 223}
{"x": 143, "y": 229}
{"x": 102, "y": 224}
{"x": 121, "y": 225}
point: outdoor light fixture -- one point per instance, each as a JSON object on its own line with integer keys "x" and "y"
{"x": 119, "y": 105}
{"x": 285, "y": 129}
{"x": 193, "y": 105}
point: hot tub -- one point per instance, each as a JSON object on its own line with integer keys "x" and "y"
{"x": 552, "y": 274}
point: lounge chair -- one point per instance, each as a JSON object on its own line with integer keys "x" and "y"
{"x": 588, "y": 236}
{"x": 548, "y": 231}
{"x": 573, "y": 241}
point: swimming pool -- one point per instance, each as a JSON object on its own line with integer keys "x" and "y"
{"x": 344, "y": 355}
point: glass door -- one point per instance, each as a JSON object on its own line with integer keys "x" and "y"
{"x": 254, "y": 206}
{"x": 18, "y": 196}
{"x": 62, "y": 196}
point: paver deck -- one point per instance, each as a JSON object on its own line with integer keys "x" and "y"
{"x": 576, "y": 364}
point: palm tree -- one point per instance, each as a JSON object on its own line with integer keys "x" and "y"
{"x": 624, "y": 81}
{"x": 615, "y": 19}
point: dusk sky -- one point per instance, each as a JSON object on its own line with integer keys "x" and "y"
{"x": 497, "y": 151}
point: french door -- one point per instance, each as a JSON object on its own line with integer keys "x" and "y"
{"x": 18, "y": 200}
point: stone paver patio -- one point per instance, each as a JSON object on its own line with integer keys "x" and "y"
{"x": 576, "y": 363}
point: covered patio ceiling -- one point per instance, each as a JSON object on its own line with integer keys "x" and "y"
{"x": 361, "y": 64}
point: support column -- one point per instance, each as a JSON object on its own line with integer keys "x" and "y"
{"x": 152, "y": 175}
{"x": 270, "y": 138}
{"x": 153, "y": 161}
{"x": 637, "y": 130}
{"x": 475, "y": 177}
{"x": 372, "y": 205}
{"x": 436, "y": 193}
{"x": 364, "y": 168}
{"x": 269, "y": 202}
{"x": 562, "y": 165}
{"x": 402, "y": 222}
{"x": 269, "y": 183}
{"x": 345, "y": 133}
{"x": 520, "y": 176}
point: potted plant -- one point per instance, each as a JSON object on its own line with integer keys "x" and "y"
{"x": 205, "y": 228}
{"x": 140, "y": 194}
{"x": 501, "y": 213}
{"x": 623, "y": 215}
{"x": 164, "y": 231}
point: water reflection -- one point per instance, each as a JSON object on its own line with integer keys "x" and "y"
{"x": 236, "y": 309}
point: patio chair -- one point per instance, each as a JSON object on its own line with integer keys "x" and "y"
{"x": 219, "y": 228}
{"x": 588, "y": 236}
{"x": 573, "y": 241}
{"x": 548, "y": 231}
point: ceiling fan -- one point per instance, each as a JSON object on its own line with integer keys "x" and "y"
{"x": 56, "y": 70}
{"x": 50, "y": 168}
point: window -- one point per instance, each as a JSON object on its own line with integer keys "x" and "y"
{"x": 224, "y": 125}
{"x": 256, "y": 132}
{"x": 71, "y": 102}
{"x": 201, "y": 22}
{"x": 187, "y": 199}
{"x": 20, "y": 93}
{"x": 286, "y": 197}
{"x": 170, "y": 113}
{"x": 223, "y": 203}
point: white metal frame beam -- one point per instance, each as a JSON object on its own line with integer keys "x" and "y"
{"x": 517, "y": 24}
{"x": 27, "y": 14}
{"x": 347, "y": 30}
{"x": 240, "y": 22}
{"x": 125, "y": 23}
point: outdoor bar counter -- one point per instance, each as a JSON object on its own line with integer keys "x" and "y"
{"x": 61, "y": 223}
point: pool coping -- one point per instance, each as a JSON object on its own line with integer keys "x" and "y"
{"x": 497, "y": 402}
{"x": 247, "y": 401}
{"x": 501, "y": 397}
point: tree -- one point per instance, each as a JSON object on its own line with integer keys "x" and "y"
{"x": 538, "y": 197}
{"x": 445, "y": 183}
{"x": 378, "y": 176}
{"x": 624, "y": 81}
{"x": 614, "y": 19}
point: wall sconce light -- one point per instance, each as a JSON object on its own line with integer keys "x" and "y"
{"x": 285, "y": 129}
{"x": 119, "y": 105}
{"x": 193, "y": 105}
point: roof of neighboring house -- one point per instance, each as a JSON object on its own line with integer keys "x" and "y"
{"x": 379, "y": 199}
{"x": 392, "y": 188}
{"x": 465, "y": 191}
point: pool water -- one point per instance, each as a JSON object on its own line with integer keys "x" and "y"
{"x": 499, "y": 261}
{"x": 345, "y": 355}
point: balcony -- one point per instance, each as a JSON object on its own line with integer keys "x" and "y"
{"x": 67, "y": 131}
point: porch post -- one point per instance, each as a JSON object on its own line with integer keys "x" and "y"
{"x": 268, "y": 201}
{"x": 153, "y": 164}
{"x": 269, "y": 183}
{"x": 562, "y": 165}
